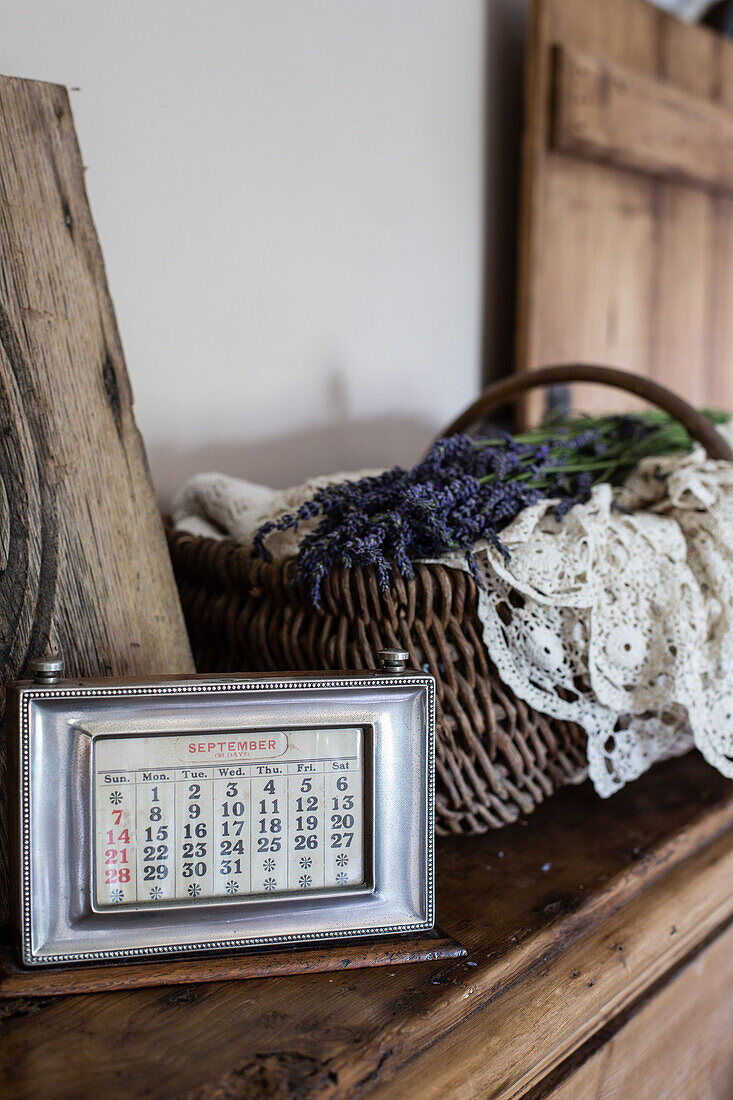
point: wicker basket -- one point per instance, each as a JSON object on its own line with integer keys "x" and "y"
{"x": 496, "y": 757}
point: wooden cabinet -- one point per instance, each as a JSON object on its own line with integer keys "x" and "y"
{"x": 677, "y": 1041}
{"x": 600, "y": 962}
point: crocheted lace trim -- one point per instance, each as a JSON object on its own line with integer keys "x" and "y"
{"x": 619, "y": 618}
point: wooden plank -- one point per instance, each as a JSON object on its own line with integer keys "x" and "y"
{"x": 681, "y": 1035}
{"x": 719, "y": 374}
{"x": 510, "y": 1046}
{"x": 607, "y": 113}
{"x": 586, "y": 235}
{"x": 17, "y": 981}
{"x": 84, "y": 566}
{"x": 619, "y": 266}
{"x": 648, "y": 870}
{"x": 680, "y": 348}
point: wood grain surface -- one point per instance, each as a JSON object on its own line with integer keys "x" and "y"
{"x": 572, "y": 920}
{"x": 20, "y": 981}
{"x": 607, "y": 113}
{"x": 682, "y": 1035}
{"x": 84, "y": 567}
{"x": 616, "y": 264}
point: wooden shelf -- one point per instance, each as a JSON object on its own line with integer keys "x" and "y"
{"x": 575, "y": 921}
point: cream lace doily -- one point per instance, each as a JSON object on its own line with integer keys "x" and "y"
{"x": 618, "y": 618}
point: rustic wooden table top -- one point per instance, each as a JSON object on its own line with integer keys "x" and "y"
{"x": 570, "y": 919}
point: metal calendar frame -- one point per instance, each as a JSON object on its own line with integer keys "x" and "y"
{"x": 51, "y": 733}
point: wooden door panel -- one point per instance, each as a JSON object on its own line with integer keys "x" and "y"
{"x": 625, "y": 253}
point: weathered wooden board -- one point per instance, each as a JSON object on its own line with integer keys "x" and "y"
{"x": 682, "y": 1035}
{"x": 571, "y": 921}
{"x": 625, "y": 262}
{"x": 17, "y": 981}
{"x": 610, "y": 114}
{"x": 84, "y": 567}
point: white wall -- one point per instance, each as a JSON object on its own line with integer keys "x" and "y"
{"x": 289, "y": 196}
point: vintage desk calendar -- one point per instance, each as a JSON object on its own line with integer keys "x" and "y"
{"x": 199, "y": 819}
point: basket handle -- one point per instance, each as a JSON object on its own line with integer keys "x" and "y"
{"x": 499, "y": 393}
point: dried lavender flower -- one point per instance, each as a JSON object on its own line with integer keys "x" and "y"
{"x": 466, "y": 490}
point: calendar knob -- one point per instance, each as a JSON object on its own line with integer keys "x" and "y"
{"x": 393, "y": 660}
{"x": 47, "y": 670}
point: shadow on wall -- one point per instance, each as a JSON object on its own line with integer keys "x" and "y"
{"x": 291, "y": 458}
{"x": 505, "y": 36}
{"x": 342, "y": 443}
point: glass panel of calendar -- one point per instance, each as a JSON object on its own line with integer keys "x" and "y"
{"x": 201, "y": 816}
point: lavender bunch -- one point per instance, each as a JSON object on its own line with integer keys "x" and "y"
{"x": 465, "y": 490}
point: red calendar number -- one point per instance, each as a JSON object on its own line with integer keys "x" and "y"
{"x": 112, "y": 874}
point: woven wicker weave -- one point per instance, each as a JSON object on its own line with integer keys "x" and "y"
{"x": 496, "y": 757}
